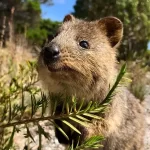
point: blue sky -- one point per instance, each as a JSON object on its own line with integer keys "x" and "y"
{"x": 149, "y": 46}
{"x": 57, "y": 11}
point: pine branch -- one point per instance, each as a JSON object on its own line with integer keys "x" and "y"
{"x": 72, "y": 110}
{"x": 93, "y": 142}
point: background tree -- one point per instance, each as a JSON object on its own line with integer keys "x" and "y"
{"x": 134, "y": 14}
{"x": 7, "y": 9}
{"x": 22, "y": 14}
{"x": 43, "y": 32}
{"x": 27, "y": 16}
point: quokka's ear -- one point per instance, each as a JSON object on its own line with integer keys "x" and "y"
{"x": 68, "y": 18}
{"x": 113, "y": 29}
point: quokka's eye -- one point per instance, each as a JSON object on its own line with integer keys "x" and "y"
{"x": 84, "y": 44}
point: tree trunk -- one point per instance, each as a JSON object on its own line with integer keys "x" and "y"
{"x": 10, "y": 23}
{"x": 2, "y": 34}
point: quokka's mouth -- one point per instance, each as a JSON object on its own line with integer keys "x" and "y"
{"x": 52, "y": 68}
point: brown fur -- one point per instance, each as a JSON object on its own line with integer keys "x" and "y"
{"x": 87, "y": 73}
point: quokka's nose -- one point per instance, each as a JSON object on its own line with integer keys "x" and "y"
{"x": 51, "y": 54}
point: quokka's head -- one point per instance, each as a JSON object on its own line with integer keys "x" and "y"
{"x": 81, "y": 58}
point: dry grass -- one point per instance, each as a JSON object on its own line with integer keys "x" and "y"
{"x": 13, "y": 55}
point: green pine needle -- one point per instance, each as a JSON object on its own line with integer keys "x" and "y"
{"x": 71, "y": 126}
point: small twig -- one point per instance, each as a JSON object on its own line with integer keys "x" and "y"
{"x": 62, "y": 116}
{"x": 19, "y": 91}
